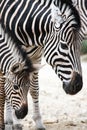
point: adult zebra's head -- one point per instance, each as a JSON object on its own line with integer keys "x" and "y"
{"x": 62, "y": 51}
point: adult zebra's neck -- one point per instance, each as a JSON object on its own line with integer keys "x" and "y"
{"x": 10, "y": 52}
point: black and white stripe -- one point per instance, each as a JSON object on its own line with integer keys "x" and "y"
{"x": 16, "y": 68}
{"x": 52, "y": 27}
{"x": 35, "y": 23}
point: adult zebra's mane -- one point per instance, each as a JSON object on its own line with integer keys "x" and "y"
{"x": 74, "y": 11}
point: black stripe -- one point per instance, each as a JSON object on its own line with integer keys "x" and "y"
{"x": 86, "y": 4}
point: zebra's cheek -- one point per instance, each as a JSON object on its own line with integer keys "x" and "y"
{"x": 75, "y": 85}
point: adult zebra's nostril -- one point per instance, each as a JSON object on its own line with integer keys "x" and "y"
{"x": 75, "y": 85}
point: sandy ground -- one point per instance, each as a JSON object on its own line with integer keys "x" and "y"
{"x": 59, "y": 110}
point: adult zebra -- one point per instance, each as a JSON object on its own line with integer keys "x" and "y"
{"x": 51, "y": 26}
{"x": 16, "y": 68}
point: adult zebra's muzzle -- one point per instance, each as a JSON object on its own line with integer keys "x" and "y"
{"x": 22, "y": 112}
{"x": 75, "y": 85}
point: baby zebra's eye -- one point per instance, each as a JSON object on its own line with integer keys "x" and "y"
{"x": 16, "y": 87}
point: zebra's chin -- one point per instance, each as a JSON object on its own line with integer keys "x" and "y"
{"x": 22, "y": 112}
{"x": 75, "y": 85}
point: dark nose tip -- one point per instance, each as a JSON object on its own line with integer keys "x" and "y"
{"x": 22, "y": 112}
{"x": 75, "y": 84}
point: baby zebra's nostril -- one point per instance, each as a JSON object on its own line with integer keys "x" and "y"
{"x": 22, "y": 112}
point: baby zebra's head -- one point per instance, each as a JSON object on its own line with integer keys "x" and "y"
{"x": 16, "y": 87}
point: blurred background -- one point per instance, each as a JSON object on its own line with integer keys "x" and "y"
{"x": 84, "y": 47}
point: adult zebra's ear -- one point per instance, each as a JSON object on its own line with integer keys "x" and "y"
{"x": 16, "y": 68}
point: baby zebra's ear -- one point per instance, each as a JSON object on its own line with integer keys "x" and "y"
{"x": 16, "y": 68}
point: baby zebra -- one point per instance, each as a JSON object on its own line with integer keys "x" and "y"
{"x": 16, "y": 68}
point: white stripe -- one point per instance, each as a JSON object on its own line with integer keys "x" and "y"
{"x": 33, "y": 23}
{"x": 1, "y": 2}
{"x": 25, "y": 22}
{"x": 7, "y": 13}
{"x": 41, "y": 24}
{"x": 3, "y": 8}
{"x": 16, "y": 25}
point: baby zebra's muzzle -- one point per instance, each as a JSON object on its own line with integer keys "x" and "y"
{"x": 22, "y": 112}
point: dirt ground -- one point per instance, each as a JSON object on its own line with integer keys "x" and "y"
{"x": 56, "y": 126}
{"x": 59, "y": 110}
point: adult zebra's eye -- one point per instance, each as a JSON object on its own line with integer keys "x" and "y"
{"x": 64, "y": 17}
{"x": 64, "y": 46}
{"x": 16, "y": 87}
